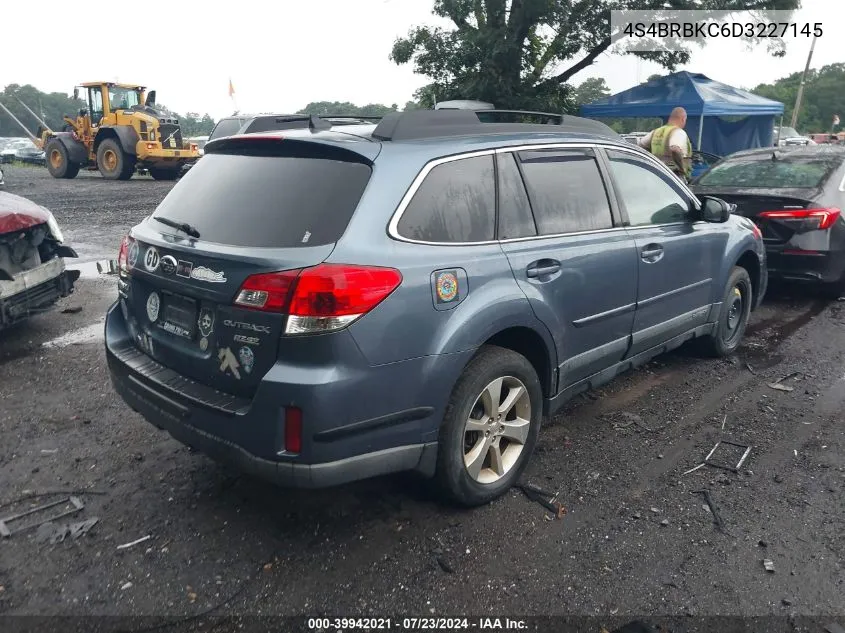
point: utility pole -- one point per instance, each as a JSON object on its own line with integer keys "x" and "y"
{"x": 801, "y": 87}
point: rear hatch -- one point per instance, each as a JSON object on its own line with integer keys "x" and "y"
{"x": 258, "y": 206}
{"x": 771, "y": 191}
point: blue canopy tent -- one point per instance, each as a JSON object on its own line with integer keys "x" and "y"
{"x": 706, "y": 102}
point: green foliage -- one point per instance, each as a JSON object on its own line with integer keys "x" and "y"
{"x": 54, "y": 106}
{"x": 510, "y": 52}
{"x": 824, "y": 96}
{"x": 324, "y": 108}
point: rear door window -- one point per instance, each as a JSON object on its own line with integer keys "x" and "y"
{"x": 455, "y": 203}
{"x": 267, "y": 201}
{"x": 566, "y": 190}
{"x": 515, "y": 219}
{"x": 649, "y": 195}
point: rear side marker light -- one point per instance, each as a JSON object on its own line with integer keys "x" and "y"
{"x": 123, "y": 256}
{"x": 293, "y": 430}
{"x": 825, "y": 218}
{"x": 324, "y": 298}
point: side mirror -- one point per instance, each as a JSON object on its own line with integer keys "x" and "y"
{"x": 76, "y": 94}
{"x": 716, "y": 209}
{"x": 151, "y": 98}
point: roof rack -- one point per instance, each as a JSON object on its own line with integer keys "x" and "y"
{"x": 422, "y": 124}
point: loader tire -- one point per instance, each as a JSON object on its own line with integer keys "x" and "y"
{"x": 113, "y": 162}
{"x": 58, "y": 160}
{"x": 159, "y": 173}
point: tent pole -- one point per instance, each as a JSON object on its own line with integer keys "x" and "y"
{"x": 700, "y": 130}
{"x": 780, "y": 127}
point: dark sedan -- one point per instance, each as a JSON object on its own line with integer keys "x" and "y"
{"x": 796, "y": 196}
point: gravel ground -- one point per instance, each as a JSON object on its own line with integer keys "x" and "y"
{"x": 636, "y": 539}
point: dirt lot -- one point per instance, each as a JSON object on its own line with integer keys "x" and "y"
{"x": 636, "y": 540}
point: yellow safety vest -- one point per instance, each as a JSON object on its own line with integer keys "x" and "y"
{"x": 660, "y": 148}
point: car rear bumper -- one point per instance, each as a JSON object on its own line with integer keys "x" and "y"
{"x": 35, "y": 290}
{"x": 817, "y": 267}
{"x": 249, "y": 433}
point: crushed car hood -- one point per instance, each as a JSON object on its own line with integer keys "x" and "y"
{"x": 18, "y": 214}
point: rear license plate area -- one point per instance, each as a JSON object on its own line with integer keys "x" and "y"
{"x": 179, "y": 316}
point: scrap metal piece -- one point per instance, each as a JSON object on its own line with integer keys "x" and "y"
{"x": 734, "y": 469}
{"x": 6, "y": 531}
{"x": 717, "y": 518}
{"x": 546, "y": 499}
{"x": 133, "y": 543}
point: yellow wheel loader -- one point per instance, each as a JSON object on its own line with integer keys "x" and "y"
{"x": 119, "y": 132}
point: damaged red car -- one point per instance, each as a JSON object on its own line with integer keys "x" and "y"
{"x": 32, "y": 272}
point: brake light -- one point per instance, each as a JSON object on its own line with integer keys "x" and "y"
{"x": 268, "y": 291}
{"x": 293, "y": 430}
{"x": 324, "y": 298}
{"x": 825, "y": 218}
{"x": 123, "y": 255}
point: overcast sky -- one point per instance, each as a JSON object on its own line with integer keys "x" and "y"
{"x": 282, "y": 55}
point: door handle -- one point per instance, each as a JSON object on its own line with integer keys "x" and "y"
{"x": 542, "y": 268}
{"x": 652, "y": 253}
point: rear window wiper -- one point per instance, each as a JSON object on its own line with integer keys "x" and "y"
{"x": 181, "y": 226}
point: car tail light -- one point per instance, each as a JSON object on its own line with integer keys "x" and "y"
{"x": 324, "y": 298}
{"x": 293, "y": 430}
{"x": 268, "y": 291}
{"x": 123, "y": 255}
{"x": 824, "y": 218}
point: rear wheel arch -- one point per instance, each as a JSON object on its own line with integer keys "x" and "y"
{"x": 752, "y": 265}
{"x": 530, "y": 344}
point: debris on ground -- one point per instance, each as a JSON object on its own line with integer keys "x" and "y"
{"x": 444, "y": 565}
{"x": 546, "y": 499}
{"x": 133, "y": 543}
{"x": 723, "y": 421}
{"x": 833, "y": 627}
{"x": 49, "y": 451}
{"x": 75, "y": 506}
{"x": 74, "y": 310}
{"x": 769, "y": 566}
{"x": 709, "y": 459}
{"x": 692, "y": 470}
{"x": 126, "y": 586}
{"x": 780, "y": 387}
{"x": 632, "y": 420}
{"x": 57, "y": 533}
{"x": 664, "y": 522}
{"x": 717, "y": 518}
{"x": 750, "y": 368}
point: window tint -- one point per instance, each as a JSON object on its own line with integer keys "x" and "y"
{"x": 267, "y": 201}
{"x": 515, "y": 219}
{"x": 649, "y": 196}
{"x": 455, "y": 203}
{"x": 763, "y": 172}
{"x": 566, "y": 191}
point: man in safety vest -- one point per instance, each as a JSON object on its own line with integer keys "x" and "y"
{"x": 671, "y": 144}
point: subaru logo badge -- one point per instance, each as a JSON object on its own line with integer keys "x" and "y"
{"x": 168, "y": 264}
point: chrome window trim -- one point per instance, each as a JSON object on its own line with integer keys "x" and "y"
{"x": 393, "y": 225}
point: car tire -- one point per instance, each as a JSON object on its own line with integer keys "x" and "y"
{"x": 733, "y": 317}
{"x": 113, "y": 162}
{"x": 164, "y": 174}
{"x": 483, "y": 450}
{"x": 58, "y": 160}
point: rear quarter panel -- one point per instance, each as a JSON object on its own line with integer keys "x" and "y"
{"x": 740, "y": 239}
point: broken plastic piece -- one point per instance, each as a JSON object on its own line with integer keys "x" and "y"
{"x": 734, "y": 469}
{"x": 6, "y": 531}
{"x": 769, "y": 565}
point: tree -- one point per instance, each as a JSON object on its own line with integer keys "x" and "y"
{"x": 591, "y": 90}
{"x": 324, "y": 108}
{"x": 522, "y": 53}
{"x": 823, "y": 97}
{"x": 54, "y": 107}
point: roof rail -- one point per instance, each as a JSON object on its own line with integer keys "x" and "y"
{"x": 421, "y": 124}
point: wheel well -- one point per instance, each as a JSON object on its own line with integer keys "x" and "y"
{"x": 102, "y": 135}
{"x": 751, "y": 263}
{"x": 527, "y": 342}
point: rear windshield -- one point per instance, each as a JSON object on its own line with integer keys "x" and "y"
{"x": 226, "y": 127}
{"x": 267, "y": 201}
{"x": 768, "y": 173}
